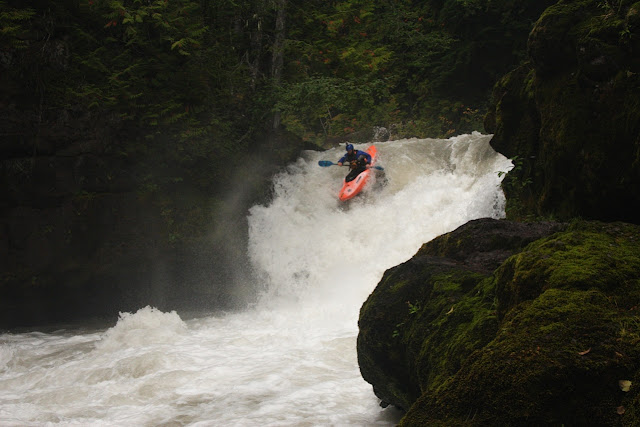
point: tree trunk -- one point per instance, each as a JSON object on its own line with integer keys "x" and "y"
{"x": 277, "y": 59}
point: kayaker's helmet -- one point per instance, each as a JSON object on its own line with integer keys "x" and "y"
{"x": 349, "y": 147}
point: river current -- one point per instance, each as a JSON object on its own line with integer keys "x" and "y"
{"x": 290, "y": 358}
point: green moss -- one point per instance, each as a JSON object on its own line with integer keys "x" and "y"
{"x": 555, "y": 360}
{"x": 397, "y": 286}
{"x": 458, "y": 331}
{"x": 579, "y": 258}
{"x": 565, "y": 332}
{"x": 445, "y": 283}
{"x": 413, "y": 302}
{"x": 583, "y": 55}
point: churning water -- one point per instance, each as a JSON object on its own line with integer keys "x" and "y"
{"x": 290, "y": 359}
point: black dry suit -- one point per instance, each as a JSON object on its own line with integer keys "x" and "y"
{"x": 358, "y": 160}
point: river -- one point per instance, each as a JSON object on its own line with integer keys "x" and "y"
{"x": 290, "y": 358}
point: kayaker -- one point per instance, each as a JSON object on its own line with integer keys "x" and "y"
{"x": 359, "y": 161}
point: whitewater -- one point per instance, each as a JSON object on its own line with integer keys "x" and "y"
{"x": 288, "y": 359}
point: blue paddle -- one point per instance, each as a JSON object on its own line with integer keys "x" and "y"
{"x": 325, "y": 163}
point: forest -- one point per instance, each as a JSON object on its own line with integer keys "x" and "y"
{"x": 213, "y": 74}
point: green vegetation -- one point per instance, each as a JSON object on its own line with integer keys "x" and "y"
{"x": 202, "y": 73}
{"x": 418, "y": 68}
{"x": 549, "y": 338}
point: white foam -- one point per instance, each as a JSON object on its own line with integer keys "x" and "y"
{"x": 290, "y": 360}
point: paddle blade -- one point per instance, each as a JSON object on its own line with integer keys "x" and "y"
{"x": 325, "y": 163}
{"x": 380, "y": 168}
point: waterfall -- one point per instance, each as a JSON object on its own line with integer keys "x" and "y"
{"x": 290, "y": 358}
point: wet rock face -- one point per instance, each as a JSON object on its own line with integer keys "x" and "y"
{"x": 571, "y": 116}
{"x": 397, "y": 316}
{"x": 545, "y": 338}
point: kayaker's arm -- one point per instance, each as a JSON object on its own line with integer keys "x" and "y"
{"x": 367, "y": 158}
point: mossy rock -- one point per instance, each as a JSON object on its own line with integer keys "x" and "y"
{"x": 551, "y": 43}
{"x": 571, "y": 115}
{"x": 556, "y": 360}
{"x": 543, "y": 340}
{"x": 587, "y": 255}
{"x": 436, "y": 298}
{"x": 388, "y": 320}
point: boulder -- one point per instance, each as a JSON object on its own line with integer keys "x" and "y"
{"x": 502, "y": 323}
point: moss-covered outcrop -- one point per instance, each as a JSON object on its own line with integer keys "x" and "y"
{"x": 570, "y": 116}
{"x": 414, "y": 299}
{"x": 551, "y": 336}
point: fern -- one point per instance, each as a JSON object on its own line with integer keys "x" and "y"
{"x": 12, "y": 26}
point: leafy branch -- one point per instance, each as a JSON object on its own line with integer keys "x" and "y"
{"x": 413, "y": 309}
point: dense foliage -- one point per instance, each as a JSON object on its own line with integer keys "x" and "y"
{"x": 420, "y": 68}
{"x": 203, "y": 70}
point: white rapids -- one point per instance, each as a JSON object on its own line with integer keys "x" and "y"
{"x": 290, "y": 359}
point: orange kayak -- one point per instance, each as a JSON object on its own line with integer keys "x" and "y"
{"x": 352, "y": 188}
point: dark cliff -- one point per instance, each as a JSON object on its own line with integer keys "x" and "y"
{"x": 570, "y": 115}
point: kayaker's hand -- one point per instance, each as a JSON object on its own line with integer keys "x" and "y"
{"x": 368, "y": 166}
{"x": 339, "y": 163}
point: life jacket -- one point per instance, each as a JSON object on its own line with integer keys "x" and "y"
{"x": 358, "y": 157}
